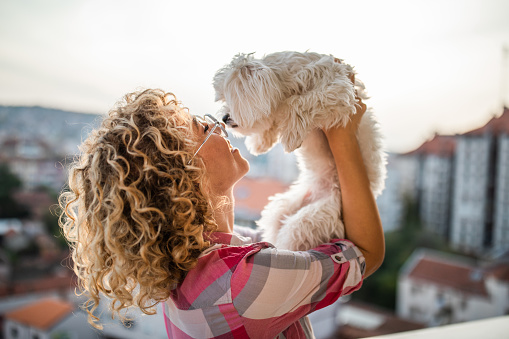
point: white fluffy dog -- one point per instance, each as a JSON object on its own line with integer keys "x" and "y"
{"x": 288, "y": 97}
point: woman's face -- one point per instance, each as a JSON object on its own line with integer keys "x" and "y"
{"x": 224, "y": 164}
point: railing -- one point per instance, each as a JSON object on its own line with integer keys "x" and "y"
{"x": 491, "y": 328}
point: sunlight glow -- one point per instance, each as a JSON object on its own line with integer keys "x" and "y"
{"x": 428, "y": 65}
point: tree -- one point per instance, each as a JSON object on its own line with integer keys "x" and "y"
{"x": 380, "y": 288}
{"x": 9, "y": 184}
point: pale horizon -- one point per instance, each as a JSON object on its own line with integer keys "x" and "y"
{"x": 429, "y": 66}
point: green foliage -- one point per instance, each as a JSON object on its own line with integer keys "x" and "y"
{"x": 9, "y": 183}
{"x": 380, "y": 288}
{"x": 61, "y": 335}
{"x": 50, "y": 221}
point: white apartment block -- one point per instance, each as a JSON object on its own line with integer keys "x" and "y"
{"x": 436, "y": 183}
{"x": 470, "y": 198}
{"x": 400, "y": 184}
{"x": 480, "y": 221}
{"x": 433, "y": 181}
{"x": 436, "y": 193}
{"x": 438, "y": 289}
{"x": 501, "y": 208}
{"x": 461, "y": 185}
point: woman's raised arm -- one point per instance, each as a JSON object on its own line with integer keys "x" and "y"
{"x": 360, "y": 213}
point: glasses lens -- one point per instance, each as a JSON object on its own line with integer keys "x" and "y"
{"x": 211, "y": 120}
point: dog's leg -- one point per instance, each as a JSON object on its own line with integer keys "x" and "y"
{"x": 312, "y": 225}
{"x": 370, "y": 144}
{"x": 280, "y": 206}
{"x": 259, "y": 144}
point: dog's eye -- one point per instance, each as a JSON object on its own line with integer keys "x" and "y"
{"x": 206, "y": 128}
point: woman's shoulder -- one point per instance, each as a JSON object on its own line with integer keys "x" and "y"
{"x": 209, "y": 282}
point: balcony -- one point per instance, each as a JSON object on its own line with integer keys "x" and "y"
{"x": 491, "y": 328}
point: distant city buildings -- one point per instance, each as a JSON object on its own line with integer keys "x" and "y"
{"x": 47, "y": 318}
{"x": 34, "y": 162}
{"x": 400, "y": 188}
{"x": 461, "y": 186}
{"x": 251, "y": 196}
{"x": 435, "y": 288}
{"x": 480, "y": 218}
{"x": 435, "y": 160}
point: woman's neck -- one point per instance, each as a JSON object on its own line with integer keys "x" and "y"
{"x": 224, "y": 211}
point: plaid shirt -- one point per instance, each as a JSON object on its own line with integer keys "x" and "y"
{"x": 241, "y": 289}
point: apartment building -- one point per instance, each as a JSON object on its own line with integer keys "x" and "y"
{"x": 480, "y": 217}
{"x": 435, "y": 165}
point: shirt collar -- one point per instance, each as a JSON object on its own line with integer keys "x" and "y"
{"x": 231, "y": 239}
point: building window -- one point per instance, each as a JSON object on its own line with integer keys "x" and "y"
{"x": 35, "y": 336}
{"x": 416, "y": 289}
{"x": 415, "y": 312}
{"x": 14, "y": 332}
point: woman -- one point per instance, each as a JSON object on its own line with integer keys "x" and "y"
{"x": 149, "y": 218}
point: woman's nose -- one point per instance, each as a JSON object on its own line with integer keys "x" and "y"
{"x": 216, "y": 128}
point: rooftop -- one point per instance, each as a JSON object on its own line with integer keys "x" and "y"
{"x": 43, "y": 314}
{"x": 441, "y": 145}
{"x": 496, "y": 126}
{"x": 459, "y": 276}
{"x": 251, "y": 195}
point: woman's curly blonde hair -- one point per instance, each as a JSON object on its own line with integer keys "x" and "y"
{"x": 135, "y": 214}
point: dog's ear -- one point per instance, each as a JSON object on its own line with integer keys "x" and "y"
{"x": 249, "y": 87}
{"x": 262, "y": 143}
{"x": 218, "y": 82}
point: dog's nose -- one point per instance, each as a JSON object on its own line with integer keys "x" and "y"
{"x": 225, "y": 118}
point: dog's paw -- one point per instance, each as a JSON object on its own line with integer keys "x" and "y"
{"x": 257, "y": 144}
{"x": 290, "y": 142}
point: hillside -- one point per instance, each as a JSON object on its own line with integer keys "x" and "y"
{"x": 61, "y": 129}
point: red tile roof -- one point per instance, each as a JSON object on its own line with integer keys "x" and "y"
{"x": 495, "y": 126}
{"x": 441, "y": 145}
{"x": 449, "y": 274}
{"x": 50, "y": 283}
{"x": 445, "y": 145}
{"x": 253, "y": 194}
{"x": 499, "y": 270}
{"x": 43, "y": 314}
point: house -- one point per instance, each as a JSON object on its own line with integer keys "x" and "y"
{"x": 436, "y": 288}
{"x": 45, "y": 319}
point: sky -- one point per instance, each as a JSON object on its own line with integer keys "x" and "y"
{"x": 429, "y": 66}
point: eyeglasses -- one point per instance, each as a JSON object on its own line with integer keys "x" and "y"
{"x": 208, "y": 120}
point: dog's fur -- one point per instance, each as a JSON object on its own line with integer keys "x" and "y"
{"x": 289, "y": 97}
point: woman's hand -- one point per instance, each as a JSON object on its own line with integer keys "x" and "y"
{"x": 353, "y": 125}
{"x": 359, "y": 211}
